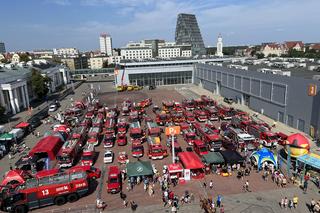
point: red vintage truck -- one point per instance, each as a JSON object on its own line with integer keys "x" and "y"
{"x": 189, "y": 136}
{"x": 207, "y": 135}
{"x": 162, "y": 119}
{"x": 108, "y": 140}
{"x": 212, "y": 113}
{"x": 114, "y": 182}
{"x": 137, "y": 149}
{"x": 109, "y": 126}
{"x": 167, "y": 106}
{"x": 225, "y": 113}
{"x": 122, "y": 126}
{"x": 94, "y": 135}
{"x": 88, "y": 155}
{"x": 155, "y": 148}
{"x": 177, "y": 118}
{"x": 189, "y": 117}
{"x": 121, "y": 139}
{"x": 242, "y": 122}
{"x": 69, "y": 152}
{"x": 200, "y": 147}
{"x": 57, "y": 189}
{"x": 177, "y": 107}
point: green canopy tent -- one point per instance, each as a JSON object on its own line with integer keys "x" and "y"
{"x": 6, "y": 137}
{"x": 213, "y": 158}
{"x": 139, "y": 168}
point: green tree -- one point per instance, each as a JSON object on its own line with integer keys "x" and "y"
{"x": 259, "y": 55}
{"x": 4, "y": 60}
{"x": 39, "y": 84}
{"x": 24, "y": 57}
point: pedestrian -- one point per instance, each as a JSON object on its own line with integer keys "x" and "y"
{"x": 173, "y": 209}
{"x": 305, "y": 186}
{"x": 219, "y": 200}
{"x": 133, "y": 205}
{"x": 282, "y": 203}
{"x": 222, "y": 209}
{"x": 312, "y": 205}
{"x": 247, "y": 186}
{"x": 295, "y": 201}
{"x": 211, "y": 184}
{"x": 125, "y": 203}
{"x": 38, "y": 134}
{"x": 290, "y": 204}
{"x": 213, "y": 207}
{"x": 285, "y": 202}
{"x": 204, "y": 185}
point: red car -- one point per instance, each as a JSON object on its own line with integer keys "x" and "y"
{"x": 114, "y": 183}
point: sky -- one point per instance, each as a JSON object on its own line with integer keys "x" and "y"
{"x": 44, "y": 24}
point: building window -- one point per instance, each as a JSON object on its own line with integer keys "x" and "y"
{"x": 300, "y": 125}
{"x": 281, "y": 117}
{"x": 290, "y": 120}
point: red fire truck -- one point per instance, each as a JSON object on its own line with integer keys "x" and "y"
{"x": 200, "y": 147}
{"x": 189, "y": 116}
{"x": 188, "y": 104}
{"x": 136, "y": 132}
{"x": 177, "y": 107}
{"x": 240, "y": 138}
{"x": 189, "y": 136}
{"x": 97, "y": 121}
{"x": 162, "y": 119}
{"x": 264, "y": 135}
{"x": 167, "y": 106}
{"x": 212, "y": 113}
{"x": 200, "y": 115}
{"x": 153, "y": 129}
{"x": 225, "y": 113}
{"x": 94, "y": 135}
{"x": 139, "y": 108}
{"x": 199, "y": 103}
{"x": 114, "y": 183}
{"x": 109, "y": 126}
{"x": 80, "y": 133}
{"x": 56, "y": 189}
{"x": 211, "y": 138}
{"x": 87, "y": 122}
{"x": 208, "y": 101}
{"x": 241, "y": 122}
{"x": 122, "y": 126}
{"x": 155, "y": 148}
{"x": 69, "y": 152}
{"x": 134, "y": 116}
{"x": 108, "y": 140}
{"x": 137, "y": 149}
{"x": 121, "y": 139}
{"x": 88, "y": 155}
{"x": 177, "y": 118}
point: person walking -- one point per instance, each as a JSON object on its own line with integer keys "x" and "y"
{"x": 133, "y": 205}
{"x": 222, "y": 209}
{"x": 285, "y": 202}
{"x": 211, "y": 184}
{"x": 219, "y": 200}
{"x": 246, "y": 185}
{"x": 204, "y": 185}
{"x": 312, "y": 205}
{"x": 305, "y": 186}
{"x": 282, "y": 203}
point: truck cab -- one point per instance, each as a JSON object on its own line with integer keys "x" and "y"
{"x": 155, "y": 148}
{"x": 189, "y": 116}
{"x": 200, "y": 115}
{"x": 137, "y": 149}
{"x": 241, "y": 138}
{"x": 121, "y": 139}
{"x": 189, "y": 136}
{"x": 114, "y": 183}
{"x": 108, "y": 140}
{"x": 188, "y": 104}
{"x": 200, "y": 147}
{"x": 88, "y": 155}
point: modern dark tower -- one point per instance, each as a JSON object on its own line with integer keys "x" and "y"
{"x": 188, "y": 32}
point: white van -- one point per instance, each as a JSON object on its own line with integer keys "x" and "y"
{"x": 17, "y": 133}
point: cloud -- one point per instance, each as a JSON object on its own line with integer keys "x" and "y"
{"x": 127, "y": 3}
{"x": 59, "y": 2}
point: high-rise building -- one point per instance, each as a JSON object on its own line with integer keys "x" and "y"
{"x": 105, "y": 44}
{"x": 219, "y": 46}
{"x": 2, "y": 47}
{"x": 188, "y": 32}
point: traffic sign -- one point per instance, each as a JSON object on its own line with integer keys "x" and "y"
{"x": 173, "y": 130}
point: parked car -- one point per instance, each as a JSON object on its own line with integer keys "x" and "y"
{"x": 53, "y": 107}
{"x": 228, "y": 100}
{"x": 152, "y": 87}
{"x": 34, "y": 122}
{"x": 108, "y": 156}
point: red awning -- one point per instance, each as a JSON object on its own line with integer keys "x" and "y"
{"x": 190, "y": 160}
{"x": 22, "y": 125}
{"x": 13, "y": 175}
{"x": 174, "y": 168}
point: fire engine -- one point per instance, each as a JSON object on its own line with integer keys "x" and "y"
{"x": 189, "y": 136}
{"x": 258, "y": 121}
{"x": 207, "y": 135}
{"x": 153, "y": 129}
{"x": 136, "y": 132}
{"x": 97, "y": 121}
{"x": 240, "y": 138}
{"x": 122, "y": 126}
{"x": 177, "y": 118}
{"x": 200, "y": 147}
{"x": 114, "y": 183}
{"x": 88, "y": 155}
{"x": 188, "y": 104}
{"x": 87, "y": 123}
{"x": 145, "y": 103}
{"x": 94, "y": 135}
{"x": 134, "y": 116}
{"x": 80, "y": 133}
{"x": 189, "y": 117}
{"x": 109, "y": 126}
{"x": 58, "y": 188}
{"x": 121, "y": 139}
{"x": 212, "y": 126}
{"x": 199, "y": 103}
{"x": 155, "y": 149}
{"x": 69, "y": 152}
{"x": 208, "y": 101}
{"x": 167, "y": 106}
{"x": 162, "y": 119}
{"x": 212, "y": 113}
{"x": 177, "y": 107}
{"x": 137, "y": 149}
{"x": 139, "y": 108}
{"x": 264, "y": 135}
{"x": 200, "y": 115}
{"x": 225, "y": 113}
{"x": 241, "y": 122}
{"x": 108, "y": 140}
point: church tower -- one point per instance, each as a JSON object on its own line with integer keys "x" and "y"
{"x": 219, "y": 52}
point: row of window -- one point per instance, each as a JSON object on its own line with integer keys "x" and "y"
{"x": 300, "y": 125}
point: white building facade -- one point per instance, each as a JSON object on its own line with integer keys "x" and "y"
{"x": 169, "y": 52}
{"x": 66, "y": 51}
{"x": 97, "y": 62}
{"x": 136, "y": 53}
{"x": 105, "y": 41}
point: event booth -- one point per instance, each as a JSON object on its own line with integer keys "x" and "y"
{"x": 211, "y": 160}
{"x": 191, "y": 162}
{"x": 298, "y": 145}
{"x": 264, "y": 155}
{"x": 232, "y": 157}
{"x": 175, "y": 171}
{"x": 139, "y": 168}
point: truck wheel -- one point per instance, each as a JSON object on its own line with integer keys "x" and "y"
{"x": 20, "y": 209}
{"x": 59, "y": 201}
{"x": 72, "y": 198}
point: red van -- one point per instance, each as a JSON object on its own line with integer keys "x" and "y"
{"x": 114, "y": 184}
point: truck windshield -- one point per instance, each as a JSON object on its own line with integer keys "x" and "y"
{"x": 203, "y": 149}
{"x": 157, "y": 151}
{"x": 136, "y": 136}
{"x": 273, "y": 137}
{"x": 191, "y": 137}
{"x": 113, "y": 180}
{"x": 63, "y": 158}
{"x": 87, "y": 157}
{"x": 137, "y": 148}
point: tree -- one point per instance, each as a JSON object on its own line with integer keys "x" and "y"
{"x": 259, "y": 55}
{"x": 4, "y": 60}
{"x": 24, "y": 57}
{"x": 39, "y": 84}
